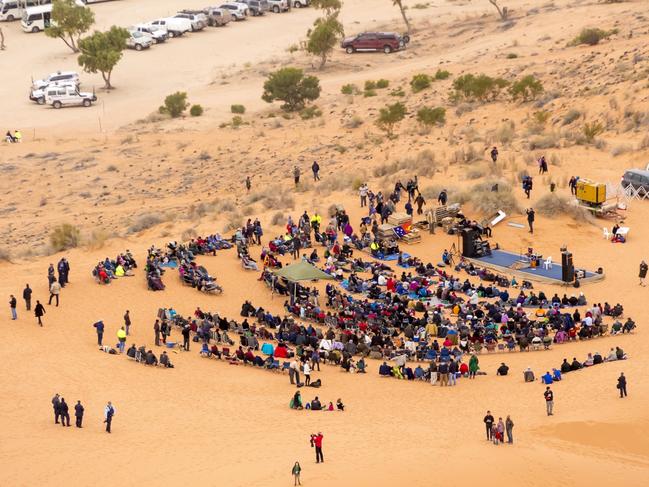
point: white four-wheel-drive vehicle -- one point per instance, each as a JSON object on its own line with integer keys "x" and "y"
{"x": 64, "y": 96}
{"x": 239, "y": 11}
{"x": 38, "y": 94}
{"x": 57, "y": 77}
{"x": 198, "y": 20}
{"x": 139, "y": 40}
{"x": 159, "y": 34}
{"x": 278, "y": 6}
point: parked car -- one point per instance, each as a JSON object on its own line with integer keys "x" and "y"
{"x": 239, "y": 11}
{"x": 198, "y": 20}
{"x": 257, "y": 7}
{"x": 278, "y": 6}
{"x": 36, "y": 19}
{"x": 218, "y": 17}
{"x": 301, "y": 3}
{"x": 375, "y": 41}
{"x": 638, "y": 179}
{"x": 175, "y": 26}
{"x": 139, "y": 40}
{"x": 63, "y": 96}
{"x": 38, "y": 94}
{"x": 58, "y": 77}
{"x": 158, "y": 33}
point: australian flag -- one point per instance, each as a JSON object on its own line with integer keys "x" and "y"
{"x": 400, "y": 232}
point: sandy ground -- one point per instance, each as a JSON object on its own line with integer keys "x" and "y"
{"x": 212, "y": 423}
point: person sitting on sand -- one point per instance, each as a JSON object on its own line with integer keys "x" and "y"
{"x": 165, "y": 362}
{"x": 296, "y": 402}
{"x": 565, "y": 366}
{"x": 575, "y": 365}
{"x": 339, "y": 405}
{"x": 556, "y": 375}
{"x": 547, "y": 378}
{"x": 589, "y": 361}
{"x": 316, "y": 405}
{"x": 151, "y": 359}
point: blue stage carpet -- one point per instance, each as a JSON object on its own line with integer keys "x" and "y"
{"x": 502, "y": 258}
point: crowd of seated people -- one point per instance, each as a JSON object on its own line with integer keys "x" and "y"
{"x": 198, "y": 277}
{"x": 122, "y": 265}
{"x": 147, "y": 357}
{"x": 207, "y": 245}
{"x": 591, "y": 359}
{"x": 154, "y": 270}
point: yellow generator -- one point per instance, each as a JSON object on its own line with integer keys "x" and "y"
{"x": 590, "y": 193}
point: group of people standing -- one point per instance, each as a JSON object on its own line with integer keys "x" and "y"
{"x": 62, "y": 412}
{"x": 496, "y": 430}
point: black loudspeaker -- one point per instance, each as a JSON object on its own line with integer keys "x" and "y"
{"x": 468, "y": 242}
{"x": 567, "y": 268}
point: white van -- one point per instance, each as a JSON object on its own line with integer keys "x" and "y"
{"x": 36, "y": 19}
{"x": 63, "y": 96}
{"x": 10, "y": 10}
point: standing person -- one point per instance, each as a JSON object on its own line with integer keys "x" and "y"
{"x": 307, "y": 373}
{"x": 55, "y": 289}
{"x": 109, "y": 412}
{"x": 420, "y": 201}
{"x": 501, "y": 430}
{"x": 12, "y": 306}
{"x": 64, "y": 412}
{"x": 573, "y": 185}
{"x": 127, "y": 321}
{"x": 39, "y": 311}
{"x": 50, "y": 275}
{"x": 156, "y": 331}
{"x": 316, "y": 171}
{"x": 362, "y": 192}
{"x": 165, "y": 331}
{"x": 296, "y": 175}
{"x": 248, "y": 183}
{"x": 453, "y": 369}
{"x": 509, "y": 427}
{"x": 443, "y": 196}
{"x": 185, "y": 334}
{"x": 56, "y": 401}
{"x": 315, "y": 360}
{"x": 296, "y": 473}
{"x": 61, "y": 268}
{"x": 530, "y": 219}
{"x": 549, "y": 400}
{"x": 621, "y": 385}
{"x": 473, "y": 366}
{"x": 296, "y": 372}
{"x": 27, "y": 296}
{"x": 316, "y": 440}
{"x": 642, "y": 275}
{"x": 488, "y": 422}
{"x": 121, "y": 339}
{"x": 494, "y": 154}
{"x": 443, "y": 374}
{"x": 78, "y": 414}
{"x": 100, "y": 332}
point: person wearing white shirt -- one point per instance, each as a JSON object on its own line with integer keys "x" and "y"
{"x": 307, "y": 373}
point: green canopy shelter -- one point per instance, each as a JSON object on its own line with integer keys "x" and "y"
{"x": 302, "y": 271}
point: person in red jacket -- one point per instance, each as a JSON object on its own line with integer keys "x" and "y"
{"x": 316, "y": 440}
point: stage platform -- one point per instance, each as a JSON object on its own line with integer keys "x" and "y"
{"x": 511, "y": 263}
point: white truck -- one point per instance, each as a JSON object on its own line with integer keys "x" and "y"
{"x": 139, "y": 40}
{"x": 278, "y": 6}
{"x": 66, "y": 96}
{"x": 198, "y": 20}
{"x": 239, "y": 11}
{"x": 38, "y": 94}
{"x": 57, "y": 77}
{"x": 175, "y": 26}
{"x": 159, "y": 34}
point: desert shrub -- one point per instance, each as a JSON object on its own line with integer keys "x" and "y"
{"x": 188, "y": 234}
{"x": 390, "y": 116}
{"x": 546, "y": 141}
{"x": 442, "y": 74}
{"x": 480, "y": 87}
{"x": 592, "y": 36}
{"x": 505, "y": 133}
{"x": 236, "y": 122}
{"x": 382, "y": 83}
{"x": 196, "y": 111}
{"x": 369, "y": 93}
{"x": 64, "y": 237}
{"x": 592, "y": 130}
{"x": 144, "y": 222}
{"x": 553, "y": 204}
{"x": 370, "y": 85}
{"x": 5, "y": 256}
{"x": 354, "y": 122}
{"x": 175, "y": 104}
{"x": 464, "y": 155}
{"x": 277, "y": 219}
{"x": 420, "y": 82}
{"x": 291, "y": 86}
{"x": 621, "y": 149}
{"x": 97, "y": 239}
{"x": 240, "y": 109}
{"x": 571, "y": 116}
{"x": 431, "y": 116}
{"x": 398, "y": 92}
{"x": 512, "y": 55}
{"x": 541, "y": 117}
{"x": 486, "y": 201}
{"x": 526, "y": 88}
{"x": 112, "y": 168}
{"x": 349, "y": 89}
{"x": 310, "y": 112}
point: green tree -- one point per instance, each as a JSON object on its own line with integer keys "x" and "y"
{"x": 101, "y": 52}
{"x": 69, "y": 21}
{"x": 329, "y": 6}
{"x": 175, "y": 104}
{"x": 480, "y": 87}
{"x": 431, "y": 116}
{"x": 324, "y": 37}
{"x": 527, "y": 88}
{"x": 292, "y": 87}
{"x": 399, "y": 3}
{"x": 390, "y": 116}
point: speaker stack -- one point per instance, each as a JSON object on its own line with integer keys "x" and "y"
{"x": 567, "y": 267}
{"x": 468, "y": 242}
